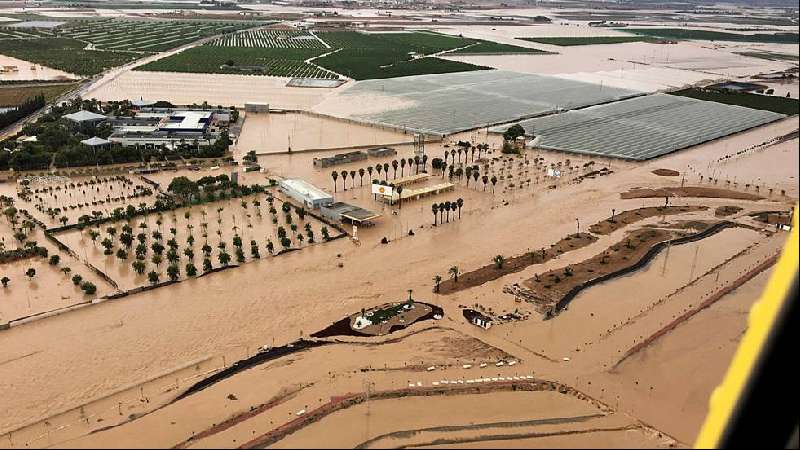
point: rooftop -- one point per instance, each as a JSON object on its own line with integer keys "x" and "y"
{"x": 305, "y": 189}
{"x": 187, "y": 120}
{"x": 84, "y": 116}
{"x": 352, "y": 212}
{"x": 95, "y": 141}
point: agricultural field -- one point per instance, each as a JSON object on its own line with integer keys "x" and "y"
{"x": 387, "y": 55}
{"x": 269, "y": 39}
{"x": 585, "y": 40}
{"x": 705, "y": 35}
{"x": 488, "y": 48}
{"x": 207, "y": 237}
{"x": 21, "y": 33}
{"x": 353, "y": 54}
{"x": 14, "y": 94}
{"x": 280, "y": 62}
{"x": 58, "y": 201}
{"x": 144, "y": 36}
{"x": 781, "y": 105}
{"x": 65, "y": 54}
{"x": 88, "y": 47}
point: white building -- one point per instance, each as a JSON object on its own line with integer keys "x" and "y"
{"x": 306, "y": 193}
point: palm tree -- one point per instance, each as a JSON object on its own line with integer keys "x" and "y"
{"x": 437, "y": 280}
{"x": 494, "y": 182}
{"x": 224, "y": 258}
{"x": 138, "y": 266}
{"x": 361, "y": 174}
{"x": 153, "y": 277}
{"x": 459, "y": 205}
{"x": 191, "y": 270}
{"x": 400, "y": 195}
{"x": 394, "y": 167}
{"x": 435, "y": 210}
{"x": 173, "y": 272}
{"x": 386, "y": 171}
{"x": 454, "y": 273}
{"x": 344, "y": 179}
{"x": 441, "y": 212}
{"x": 447, "y": 206}
{"x": 402, "y": 167}
{"x": 498, "y": 261}
{"x": 353, "y": 179}
{"x": 335, "y": 176}
{"x": 379, "y": 169}
{"x": 485, "y": 180}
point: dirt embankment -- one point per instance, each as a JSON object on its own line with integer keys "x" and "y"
{"x": 713, "y": 298}
{"x": 514, "y": 264}
{"x": 666, "y": 172}
{"x": 626, "y": 218}
{"x": 348, "y": 400}
{"x": 689, "y": 191}
{"x": 551, "y": 291}
{"x": 728, "y": 210}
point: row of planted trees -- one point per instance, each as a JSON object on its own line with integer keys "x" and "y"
{"x": 415, "y": 165}
{"x": 151, "y": 245}
{"x": 441, "y": 211}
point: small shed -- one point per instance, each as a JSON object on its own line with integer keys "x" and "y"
{"x": 96, "y": 143}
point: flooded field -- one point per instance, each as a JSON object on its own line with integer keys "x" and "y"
{"x": 216, "y": 89}
{"x": 124, "y": 371}
{"x": 202, "y": 233}
{"x": 13, "y": 69}
{"x": 280, "y": 132}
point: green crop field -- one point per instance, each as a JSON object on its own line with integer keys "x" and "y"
{"x": 64, "y": 54}
{"x": 16, "y": 94}
{"x": 88, "y": 47}
{"x": 150, "y": 36}
{"x": 684, "y": 34}
{"x": 588, "y": 40}
{"x": 386, "y": 55}
{"x": 782, "y": 105}
{"x": 353, "y": 54}
{"x": 488, "y": 48}
{"x": 280, "y": 62}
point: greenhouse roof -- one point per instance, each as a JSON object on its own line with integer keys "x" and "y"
{"x": 643, "y": 127}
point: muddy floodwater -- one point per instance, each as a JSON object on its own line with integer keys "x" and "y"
{"x": 282, "y": 132}
{"x": 13, "y": 69}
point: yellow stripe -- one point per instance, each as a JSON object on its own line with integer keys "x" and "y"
{"x": 762, "y": 318}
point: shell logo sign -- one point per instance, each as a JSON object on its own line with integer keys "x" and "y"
{"x": 381, "y": 189}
